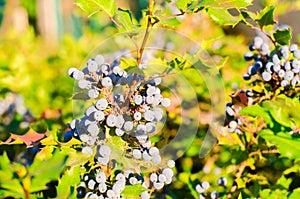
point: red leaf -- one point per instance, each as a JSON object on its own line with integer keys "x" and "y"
{"x": 30, "y": 138}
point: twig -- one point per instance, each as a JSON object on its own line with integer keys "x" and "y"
{"x": 149, "y": 25}
{"x": 239, "y": 173}
{"x": 115, "y": 22}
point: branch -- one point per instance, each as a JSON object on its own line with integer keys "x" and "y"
{"x": 149, "y": 25}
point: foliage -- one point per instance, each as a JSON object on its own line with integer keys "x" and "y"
{"x": 257, "y": 154}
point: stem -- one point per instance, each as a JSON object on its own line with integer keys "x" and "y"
{"x": 239, "y": 173}
{"x": 115, "y": 22}
{"x": 149, "y": 25}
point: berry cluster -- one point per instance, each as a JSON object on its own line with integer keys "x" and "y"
{"x": 130, "y": 106}
{"x": 203, "y": 189}
{"x": 279, "y": 67}
{"x": 98, "y": 184}
{"x": 102, "y": 186}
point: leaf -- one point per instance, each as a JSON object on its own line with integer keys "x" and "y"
{"x": 284, "y": 142}
{"x": 182, "y": 4}
{"x": 132, "y": 191}
{"x": 282, "y": 37}
{"x": 295, "y": 194}
{"x": 171, "y": 22}
{"x": 126, "y": 19}
{"x": 225, "y": 4}
{"x": 281, "y": 116}
{"x": 43, "y": 171}
{"x": 70, "y": 179}
{"x": 88, "y": 6}
{"x": 94, "y": 6}
{"x": 257, "y": 111}
{"x": 266, "y": 17}
{"x": 7, "y": 180}
{"x": 223, "y": 17}
{"x": 29, "y": 138}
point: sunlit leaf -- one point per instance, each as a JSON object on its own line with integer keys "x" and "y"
{"x": 172, "y": 22}
{"x": 43, "y": 171}
{"x": 283, "y": 141}
{"x": 132, "y": 191}
{"x": 257, "y": 111}
{"x": 226, "y": 3}
{"x": 94, "y": 6}
{"x": 70, "y": 179}
{"x": 223, "y": 17}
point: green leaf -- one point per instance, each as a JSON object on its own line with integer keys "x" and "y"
{"x": 283, "y": 141}
{"x": 295, "y": 194}
{"x": 70, "y": 179}
{"x": 257, "y": 111}
{"x": 282, "y": 37}
{"x": 171, "y": 22}
{"x": 266, "y": 17}
{"x": 182, "y": 4}
{"x": 281, "y": 116}
{"x": 132, "y": 191}
{"x": 94, "y": 6}
{"x": 43, "y": 171}
{"x": 225, "y": 4}
{"x": 126, "y": 19}
{"x": 88, "y": 6}
{"x": 222, "y": 16}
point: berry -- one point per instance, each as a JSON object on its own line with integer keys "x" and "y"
{"x": 98, "y": 115}
{"x": 158, "y": 185}
{"x": 156, "y": 159}
{"x": 91, "y": 184}
{"x": 111, "y": 120}
{"x": 137, "y": 154}
{"x": 247, "y": 76}
{"x": 146, "y": 156}
{"x": 205, "y": 185}
{"x": 80, "y": 192}
{"x": 128, "y": 126}
{"x": 119, "y": 132}
{"x": 149, "y": 115}
{"x": 166, "y": 102}
{"x": 100, "y": 177}
{"x": 107, "y": 82}
{"x": 101, "y": 104}
{"x": 104, "y": 150}
{"x": 162, "y": 178}
{"x": 145, "y": 195}
{"x": 266, "y": 76}
{"x": 171, "y": 163}
{"x": 68, "y": 136}
{"x": 248, "y": 56}
{"x": 93, "y": 129}
{"x": 133, "y": 180}
{"x": 214, "y": 195}
{"x": 93, "y": 93}
{"x": 222, "y": 181}
{"x": 92, "y": 66}
{"x": 153, "y": 151}
{"x": 138, "y": 99}
{"x": 199, "y": 188}
{"x": 137, "y": 116}
{"x": 153, "y": 177}
{"x": 87, "y": 150}
{"x": 78, "y": 75}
